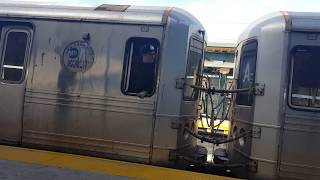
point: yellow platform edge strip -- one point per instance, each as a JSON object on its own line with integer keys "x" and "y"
{"x": 98, "y": 165}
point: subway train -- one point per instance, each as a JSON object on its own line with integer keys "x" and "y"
{"x": 278, "y": 55}
{"x": 105, "y": 81}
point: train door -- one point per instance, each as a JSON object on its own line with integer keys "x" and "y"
{"x": 242, "y": 118}
{"x": 15, "y": 48}
{"x": 139, "y": 79}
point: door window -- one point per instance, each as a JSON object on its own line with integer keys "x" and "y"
{"x": 14, "y": 55}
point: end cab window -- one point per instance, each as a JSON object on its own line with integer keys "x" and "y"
{"x": 194, "y": 68}
{"x": 141, "y": 58}
{"x": 305, "y": 81}
{"x": 247, "y": 72}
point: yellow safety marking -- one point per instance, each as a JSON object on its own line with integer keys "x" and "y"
{"x": 98, "y": 165}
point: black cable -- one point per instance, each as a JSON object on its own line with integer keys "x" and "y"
{"x": 227, "y": 113}
{"x": 213, "y": 90}
{"x": 219, "y": 103}
{"x": 213, "y": 115}
{"x": 208, "y": 91}
{"x": 206, "y": 104}
{"x": 212, "y": 110}
{"x": 224, "y": 117}
{"x": 206, "y": 111}
{"x": 204, "y": 100}
{"x": 215, "y": 141}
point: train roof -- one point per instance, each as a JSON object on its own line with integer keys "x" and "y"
{"x": 101, "y": 13}
{"x": 290, "y": 21}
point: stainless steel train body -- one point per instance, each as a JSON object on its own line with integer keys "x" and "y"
{"x": 281, "y": 52}
{"x": 67, "y": 75}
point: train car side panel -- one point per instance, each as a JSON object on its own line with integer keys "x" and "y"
{"x": 80, "y": 106}
{"x": 300, "y": 150}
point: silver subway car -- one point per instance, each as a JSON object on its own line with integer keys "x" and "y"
{"x": 100, "y": 80}
{"x": 280, "y": 55}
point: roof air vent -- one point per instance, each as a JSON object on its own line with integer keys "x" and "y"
{"x": 110, "y": 7}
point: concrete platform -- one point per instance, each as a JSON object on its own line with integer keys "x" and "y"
{"x": 23, "y": 163}
{"x": 12, "y": 170}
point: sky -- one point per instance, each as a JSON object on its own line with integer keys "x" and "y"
{"x": 223, "y": 20}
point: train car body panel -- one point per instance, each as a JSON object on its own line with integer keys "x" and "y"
{"x": 78, "y": 105}
{"x": 282, "y": 143}
{"x": 299, "y": 153}
{"x": 80, "y": 84}
{"x": 173, "y": 109}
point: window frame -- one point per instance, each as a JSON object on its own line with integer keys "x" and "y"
{"x": 290, "y": 81}
{"x": 200, "y": 69}
{"x": 127, "y": 65}
{"x": 6, "y": 30}
{"x": 243, "y": 53}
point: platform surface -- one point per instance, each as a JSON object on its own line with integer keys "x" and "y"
{"x": 12, "y": 170}
{"x": 23, "y": 163}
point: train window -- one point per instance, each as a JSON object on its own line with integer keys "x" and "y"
{"x": 247, "y": 71}
{"x": 215, "y": 72}
{"x": 14, "y": 55}
{"x": 230, "y": 73}
{"x": 305, "y": 82}
{"x": 194, "y": 68}
{"x": 140, "y": 67}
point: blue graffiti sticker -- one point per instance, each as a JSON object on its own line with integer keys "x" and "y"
{"x": 78, "y": 56}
